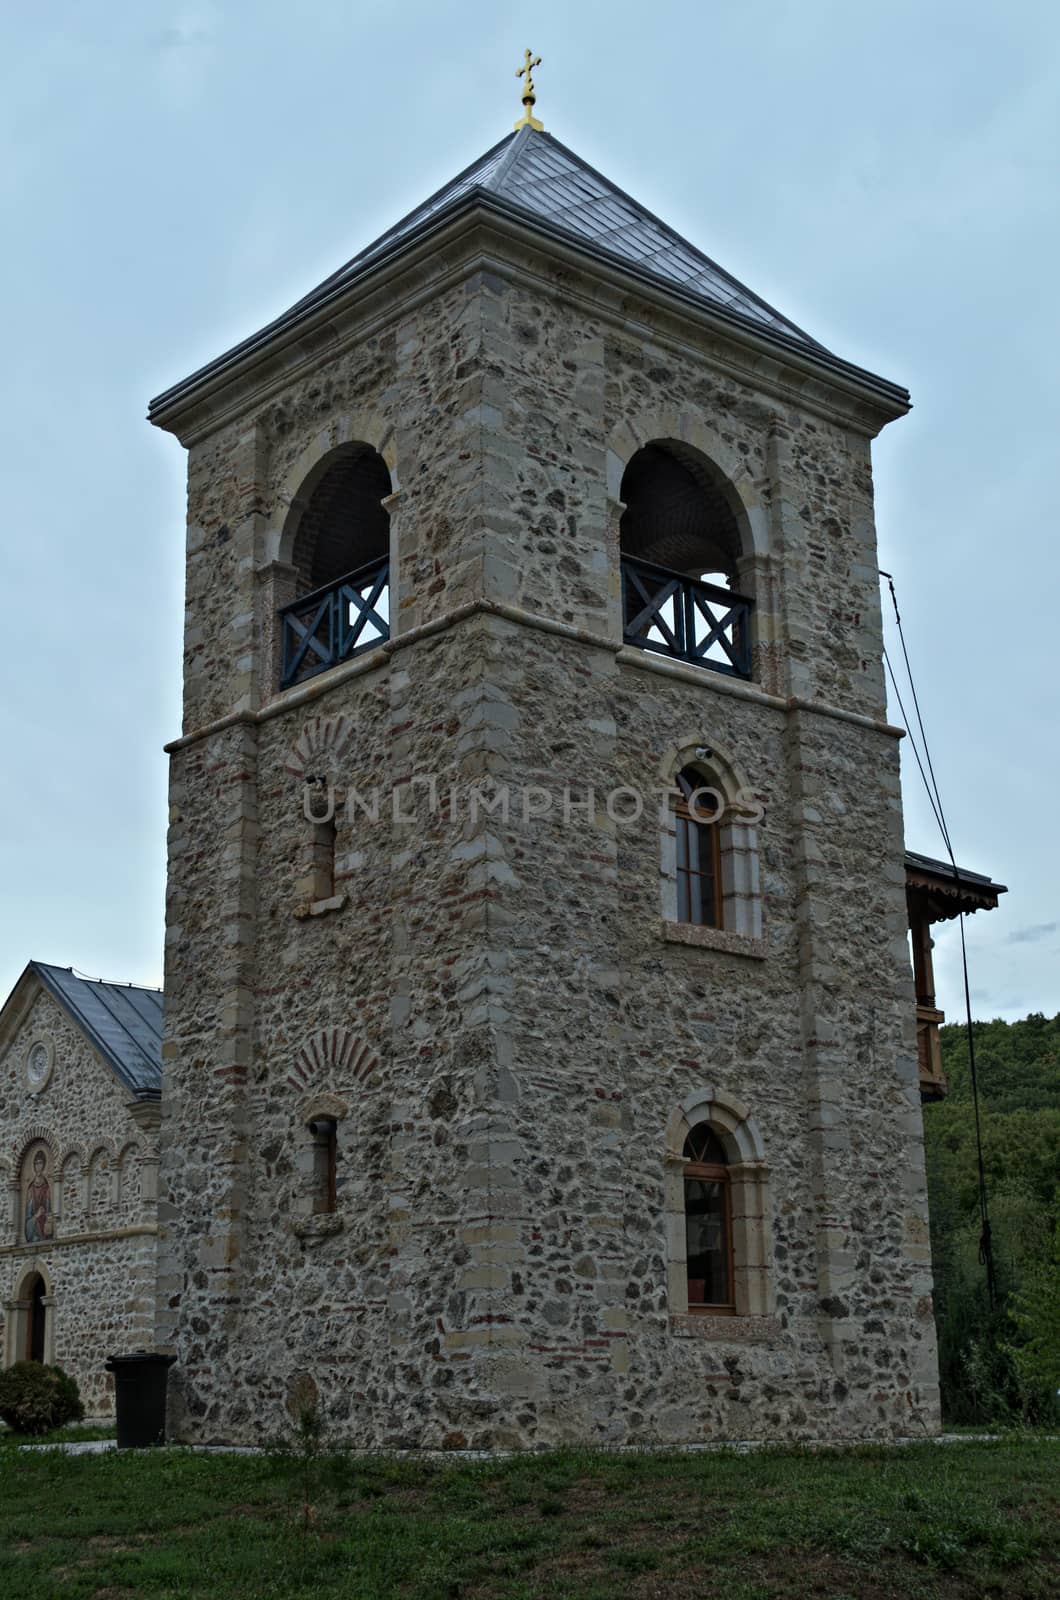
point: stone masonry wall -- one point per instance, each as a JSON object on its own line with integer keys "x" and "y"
{"x": 491, "y": 1010}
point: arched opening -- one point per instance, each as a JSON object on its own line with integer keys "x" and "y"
{"x": 681, "y": 548}
{"x": 36, "y": 1318}
{"x": 678, "y": 514}
{"x": 718, "y": 1222}
{"x": 708, "y": 1222}
{"x": 344, "y": 525}
{"x": 341, "y": 557}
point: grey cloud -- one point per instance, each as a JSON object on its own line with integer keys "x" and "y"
{"x": 1033, "y": 934}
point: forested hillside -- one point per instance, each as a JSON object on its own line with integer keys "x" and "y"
{"x": 1006, "y": 1363}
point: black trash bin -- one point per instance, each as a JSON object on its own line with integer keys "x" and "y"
{"x": 140, "y": 1397}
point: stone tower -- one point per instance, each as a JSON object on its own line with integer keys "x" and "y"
{"x": 516, "y": 1091}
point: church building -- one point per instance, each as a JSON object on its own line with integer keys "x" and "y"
{"x": 80, "y": 1087}
{"x": 540, "y": 1046}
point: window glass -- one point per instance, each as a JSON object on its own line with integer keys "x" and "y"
{"x": 706, "y": 1238}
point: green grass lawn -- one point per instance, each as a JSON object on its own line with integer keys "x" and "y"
{"x": 963, "y": 1520}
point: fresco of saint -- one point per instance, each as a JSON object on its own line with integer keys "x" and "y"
{"x": 39, "y": 1222}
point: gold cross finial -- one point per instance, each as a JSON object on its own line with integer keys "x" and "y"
{"x": 528, "y": 120}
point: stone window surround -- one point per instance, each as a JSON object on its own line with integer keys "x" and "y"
{"x": 752, "y": 1243}
{"x": 38, "y": 1085}
{"x": 742, "y": 930}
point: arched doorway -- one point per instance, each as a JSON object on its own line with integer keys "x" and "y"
{"x": 30, "y": 1331}
{"x": 36, "y": 1318}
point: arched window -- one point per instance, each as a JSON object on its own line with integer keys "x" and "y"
{"x": 709, "y": 878}
{"x": 681, "y": 550}
{"x": 697, "y": 818}
{"x": 718, "y": 1220}
{"x": 341, "y": 560}
{"x": 708, "y": 1222}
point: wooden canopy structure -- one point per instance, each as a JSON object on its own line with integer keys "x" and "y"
{"x": 935, "y": 891}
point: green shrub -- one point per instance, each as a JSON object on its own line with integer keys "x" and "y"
{"x": 36, "y": 1399}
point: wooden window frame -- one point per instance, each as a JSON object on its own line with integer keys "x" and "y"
{"x": 709, "y": 832}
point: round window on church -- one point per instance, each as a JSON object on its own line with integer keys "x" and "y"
{"x": 39, "y": 1061}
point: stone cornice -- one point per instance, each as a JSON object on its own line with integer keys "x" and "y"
{"x": 627, "y": 655}
{"x": 485, "y": 236}
{"x": 134, "y": 1230}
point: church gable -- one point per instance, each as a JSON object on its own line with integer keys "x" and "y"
{"x": 64, "y": 1124}
{"x": 78, "y": 1116}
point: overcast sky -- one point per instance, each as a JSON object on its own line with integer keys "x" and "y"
{"x": 176, "y": 175}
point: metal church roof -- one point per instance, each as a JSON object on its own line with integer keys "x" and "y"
{"x": 534, "y": 173}
{"x": 122, "y": 1021}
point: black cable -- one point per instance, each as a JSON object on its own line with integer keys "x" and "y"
{"x": 986, "y": 1251}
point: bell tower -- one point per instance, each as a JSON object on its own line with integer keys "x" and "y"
{"x": 540, "y": 1055}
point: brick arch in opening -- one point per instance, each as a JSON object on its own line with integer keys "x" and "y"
{"x": 694, "y": 438}
{"x": 36, "y": 1133}
{"x": 329, "y": 1058}
{"x": 752, "y": 1237}
{"x": 321, "y": 742}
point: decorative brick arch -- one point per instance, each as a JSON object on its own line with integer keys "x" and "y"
{"x": 322, "y": 740}
{"x": 752, "y": 1239}
{"x": 328, "y": 1058}
{"x": 692, "y": 431}
{"x": 305, "y": 472}
{"x": 37, "y": 1133}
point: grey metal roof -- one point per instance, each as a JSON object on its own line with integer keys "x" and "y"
{"x": 122, "y": 1021}
{"x": 534, "y": 173}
